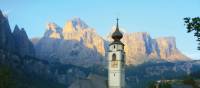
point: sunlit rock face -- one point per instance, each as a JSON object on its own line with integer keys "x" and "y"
{"x": 76, "y": 43}
{"x": 78, "y": 30}
{"x": 53, "y": 31}
{"x": 75, "y": 24}
{"x": 140, "y": 48}
{"x": 168, "y": 50}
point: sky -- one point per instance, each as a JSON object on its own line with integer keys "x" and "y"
{"x": 159, "y": 18}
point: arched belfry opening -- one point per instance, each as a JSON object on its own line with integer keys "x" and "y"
{"x": 114, "y": 61}
{"x": 114, "y": 57}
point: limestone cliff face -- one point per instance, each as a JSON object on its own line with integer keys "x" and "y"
{"x": 78, "y": 30}
{"x": 79, "y": 44}
{"x": 168, "y": 50}
{"x": 140, "y": 47}
{"x": 75, "y": 24}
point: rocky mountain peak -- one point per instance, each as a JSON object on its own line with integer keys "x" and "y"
{"x": 23, "y": 45}
{"x": 141, "y": 47}
{"x": 81, "y": 39}
{"x": 16, "y": 42}
{"x": 74, "y": 24}
{"x": 1, "y": 14}
{"x": 53, "y": 31}
{"x": 19, "y": 32}
{"x": 6, "y": 38}
{"x": 78, "y": 23}
{"x": 68, "y": 27}
{"x": 16, "y": 29}
{"x": 78, "y": 42}
{"x": 168, "y": 50}
{"x": 52, "y": 26}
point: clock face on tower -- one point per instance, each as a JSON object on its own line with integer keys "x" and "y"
{"x": 114, "y": 62}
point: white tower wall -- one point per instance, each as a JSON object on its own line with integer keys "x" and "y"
{"x": 116, "y": 68}
{"x": 116, "y": 61}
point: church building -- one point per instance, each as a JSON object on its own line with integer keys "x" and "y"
{"x": 116, "y": 67}
{"x": 116, "y": 61}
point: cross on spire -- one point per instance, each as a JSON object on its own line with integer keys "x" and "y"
{"x": 117, "y": 20}
{"x": 117, "y": 24}
{"x": 117, "y": 35}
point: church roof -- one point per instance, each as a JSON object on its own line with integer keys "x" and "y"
{"x": 117, "y": 35}
{"x": 117, "y": 42}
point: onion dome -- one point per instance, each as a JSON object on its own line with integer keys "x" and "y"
{"x": 117, "y": 35}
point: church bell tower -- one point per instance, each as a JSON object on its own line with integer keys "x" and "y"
{"x": 116, "y": 61}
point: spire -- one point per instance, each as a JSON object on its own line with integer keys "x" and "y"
{"x": 117, "y": 35}
{"x": 117, "y": 28}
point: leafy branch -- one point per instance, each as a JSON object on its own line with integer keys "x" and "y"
{"x": 193, "y": 24}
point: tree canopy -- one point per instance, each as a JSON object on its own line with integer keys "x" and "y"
{"x": 193, "y": 25}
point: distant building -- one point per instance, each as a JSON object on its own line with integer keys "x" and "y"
{"x": 116, "y": 61}
{"x": 93, "y": 81}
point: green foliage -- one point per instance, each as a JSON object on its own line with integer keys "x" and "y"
{"x": 6, "y": 80}
{"x": 159, "y": 85}
{"x": 152, "y": 84}
{"x": 10, "y": 78}
{"x": 190, "y": 81}
{"x": 140, "y": 77}
{"x": 193, "y": 24}
{"x": 165, "y": 85}
{"x": 195, "y": 74}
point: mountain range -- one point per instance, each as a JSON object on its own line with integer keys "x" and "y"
{"x": 75, "y": 44}
{"x": 16, "y": 41}
{"x": 79, "y": 44}
{"x": 66, "y": 56}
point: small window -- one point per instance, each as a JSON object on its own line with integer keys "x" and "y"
{"x": 114, "y": 61}
{"x": 123, "y": 57}
{"x": 114, "y": 57}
